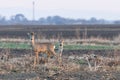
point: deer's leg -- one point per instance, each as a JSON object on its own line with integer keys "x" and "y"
{"x": 56, "y": 56}
{"x": 60, "y": 56}
{"x": 46, "y": 59}
{"x": 95, "y": 65}
{"x": 34, "y": 60}
{"x": 90, "y": 67}
{"x": 37, "y": 58}
{"x": 48, "y": 55}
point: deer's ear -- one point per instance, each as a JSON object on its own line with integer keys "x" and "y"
{"x": 33, "y": 33}
{"x": 59, "y": 40}
{"x": 62, "y": 40}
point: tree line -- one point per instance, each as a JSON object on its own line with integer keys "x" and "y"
{"x": 52, "y": 20}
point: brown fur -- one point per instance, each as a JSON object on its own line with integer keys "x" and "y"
{"x": 47, "y": 48}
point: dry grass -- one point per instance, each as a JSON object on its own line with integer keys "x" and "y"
{"x": 91, "y": 40}
{"x": 24, "y": 64}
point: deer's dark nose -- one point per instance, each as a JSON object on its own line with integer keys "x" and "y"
{"x": 60, "y": 44}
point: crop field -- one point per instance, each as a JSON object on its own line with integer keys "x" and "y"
{"x": 66, "y": 31}
{"x": 90, "y": 52}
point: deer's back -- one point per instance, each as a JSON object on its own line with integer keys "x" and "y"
{"x": 44, "y": 47}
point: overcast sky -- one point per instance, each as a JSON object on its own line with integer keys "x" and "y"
{"x": 107, "y": 9}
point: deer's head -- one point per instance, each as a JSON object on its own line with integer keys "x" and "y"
{"x": 61, "y": 41}
{"x": 31, "y": 35}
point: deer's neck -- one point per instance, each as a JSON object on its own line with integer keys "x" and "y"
{"x": 33, "y": 43}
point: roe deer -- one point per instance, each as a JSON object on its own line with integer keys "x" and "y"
{"x": 60, "y": 50}
{"x": 47, "y": 48}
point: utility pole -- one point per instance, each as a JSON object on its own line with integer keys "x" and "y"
{"x": 33, "y": 10}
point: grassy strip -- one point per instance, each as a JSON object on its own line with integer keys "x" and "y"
{"x": 88, "y": 47}
{"x": 14, "y": 45}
